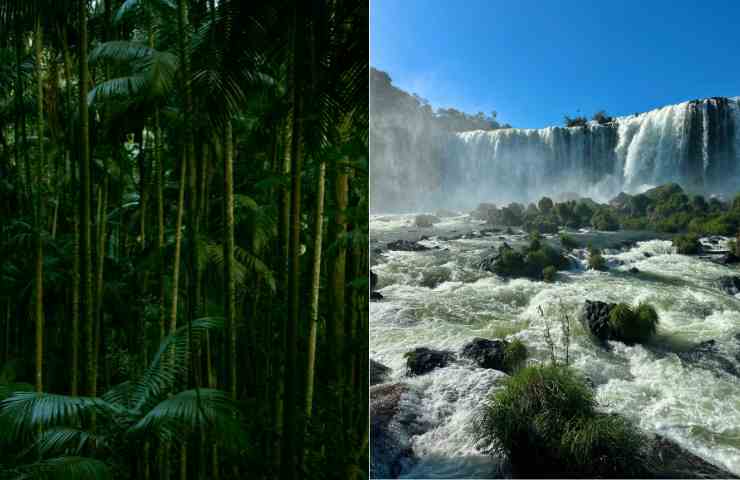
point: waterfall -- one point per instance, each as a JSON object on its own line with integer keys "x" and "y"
{"x": 695, "y": 144}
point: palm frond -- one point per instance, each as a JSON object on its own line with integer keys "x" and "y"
{"x": 65, "y": 468}
{"x": 168, "y": 364}
{"x": 191, "y": 410}
{"x": 26, "y": 411}
{"x": 67, "y": 441}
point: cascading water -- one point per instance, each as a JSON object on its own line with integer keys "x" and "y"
{"x": 695, "y": 144}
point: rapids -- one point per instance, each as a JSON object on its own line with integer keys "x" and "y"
{"x": 439, "y": 299}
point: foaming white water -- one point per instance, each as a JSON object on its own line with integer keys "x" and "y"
{"x": 695, "y": 405}
{"x": 695, "y": 143}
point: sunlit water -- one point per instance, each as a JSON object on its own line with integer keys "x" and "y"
{"x": 439, "y": 299}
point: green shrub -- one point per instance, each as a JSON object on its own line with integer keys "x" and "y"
{"x": 549, "y": 273}
{"x": 515, "y": 354}
{"x": 605, "y": 220}
{"x": 687, "y": 244}
{"x": 544, "y": 420}
{"x": 595, "y": 260}
{"x": 568, "y": 242}
{"x": 603, "y": 445}
{"x": 633, "y": 326}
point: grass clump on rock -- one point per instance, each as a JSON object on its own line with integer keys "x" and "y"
{"x": 595, "y": 260}
{"x": 515, "y": 354}
{"x": 633, "y": 326}
{"x": 687, "y": 244}
{"x": 545, "y": 421}
{"x": 549, "y": 273}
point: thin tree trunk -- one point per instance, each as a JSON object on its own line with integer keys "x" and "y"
{"x": 315, "y": 283}
{"x": 283, "y": 245}
{"x": 39, "y": 282}
{"x": 291, "y": 391}
{"x": 338, "y": 285}
{"x": 86, "y": 243}
{"x": 230, "y": 290}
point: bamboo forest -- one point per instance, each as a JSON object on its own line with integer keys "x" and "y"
{"x": 183, "y": 239}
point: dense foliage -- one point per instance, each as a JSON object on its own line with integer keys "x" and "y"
{"x": 531, "y": 261}
{"x": 545, "y": 421}
{"x": 666, "y": 208}
{"x": 183, "y": 234}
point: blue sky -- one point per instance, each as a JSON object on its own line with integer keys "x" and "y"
{"x": 535, "y": 61}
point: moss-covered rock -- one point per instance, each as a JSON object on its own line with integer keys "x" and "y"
{"x": 687, "y": 244}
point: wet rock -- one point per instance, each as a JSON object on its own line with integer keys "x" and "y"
{"x": 634, "y": 270}
{"x": 727, "y": 259}
{"x": 667, "y": 459}
{"x": 434, "y": 276}
{"x": 391, "y": 428}
{"x": 730, "y": 284}
{"x": 375, "y": 296}
{"x": 486, "y": 353}
{"x": 647, "y": 254}
{"x": 379, "y": 373}
{"x": 407, "y": 246}
{"x": 425, "y": 221}
{"x": 373, "y": 280}
{"x": 423, "y": 360}
{"x": 596, "y": 318}
{"x": 707, "y": 354}
{"x": 488, "y": 261}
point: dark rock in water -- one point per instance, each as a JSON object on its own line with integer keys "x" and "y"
{"x": 727, "y": 259}
{"x": 376, "y": 296}
{"x": 391, "y": 428}
{"x": 378, "y": 372}
{"x": 486, "y": 353}
{"x": 647, "y": 254}
{"x": 423, "y": 360}
{"x": 730, "y": 284}
{"x": 667, "y": 459}
{"x": 488, "y": 262}
{"x": 596, "y": 318}
{"x": 425, "y": 221}
{"x": 377, "y": 251}
{"x": 707, "y": 353}
{"x": 634, "y": 270}
{"x": 407, "y": 246}
{"x": 373, "y": 280}
{"x": 433, "y": 276}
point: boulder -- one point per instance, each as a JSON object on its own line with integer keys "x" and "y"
{"x": 486, "y": 353}
{"x": 373, "y": 280}
{"x": 407, "y": 246}
{"x": 391, "y": 428}
{"x": 634, "y": 270}
{"x": 730, "y": 284}
{"x": 707, "y": 353}
{"x": 595, "y": 318}
{"x": 666, "y": 459}
{"x": 425, "y": 221}
{"x": 423, "y": 360}
{"x": 727, "y": 259}
{"x": 378, "y": 372}
{"x": 375, "y": 296}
